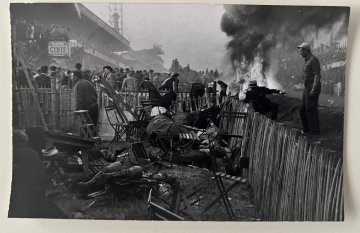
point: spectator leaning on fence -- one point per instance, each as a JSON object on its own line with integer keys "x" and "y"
{"x": 86, "y": 97}
{"x": 256, "y": 96}
{"x": 170, "y": 83}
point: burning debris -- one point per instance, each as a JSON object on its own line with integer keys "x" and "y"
{"x": 259, "y": 36}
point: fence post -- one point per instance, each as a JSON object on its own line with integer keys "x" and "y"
{"x": 53, "y": 105}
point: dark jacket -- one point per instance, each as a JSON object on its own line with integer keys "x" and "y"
{"x": 257, "y": 97}
{"x": 169, "y": 84}
{"x": 159, "y": 125}
{"x": 85, "y": 94}
{"x": 28, "y": 198}
{"x": 197, "y": 89}
{"x": 43, "y": 80}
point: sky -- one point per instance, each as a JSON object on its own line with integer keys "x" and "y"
{"x": 189, "y": 32}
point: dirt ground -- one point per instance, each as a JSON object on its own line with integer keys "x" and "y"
{"x": 131, "y": 203}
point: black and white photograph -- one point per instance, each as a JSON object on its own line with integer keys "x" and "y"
{"x": 178, "y": 112}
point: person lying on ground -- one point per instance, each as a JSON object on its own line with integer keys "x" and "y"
{"x": 114, "y": 170}
{"x": 161, "y": 125}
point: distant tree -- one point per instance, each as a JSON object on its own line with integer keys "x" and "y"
{"x": 216, "y": 74}
{"x": 176, "y": 67}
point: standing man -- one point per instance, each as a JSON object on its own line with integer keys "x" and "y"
{"x": 197, "y": 91}
{"x": 43, "y": 80}
{"x": 130, "y": 83}
{"x": 78, "y": 67}
{"x": 86, "y": 97}
{"x": 311, "y": 75}
{"x": 109, "y": 76}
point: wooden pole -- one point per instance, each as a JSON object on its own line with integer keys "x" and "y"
{"x": 207, "y": 97}
{"x": 33, "y": 90}
{"x": 53, "y": 103}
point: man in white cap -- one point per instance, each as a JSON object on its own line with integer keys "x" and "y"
{"x": 311, "y": 75}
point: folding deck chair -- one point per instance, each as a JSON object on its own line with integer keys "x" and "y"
{"x": 158, "y": 212}
{"x": 139, "y": 151}
{"x": 219, "y": 176}
{"x": 118, "y": 122}
{"x": 137, "y": 128}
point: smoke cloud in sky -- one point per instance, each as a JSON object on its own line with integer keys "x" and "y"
{"x": 257, "y": 30}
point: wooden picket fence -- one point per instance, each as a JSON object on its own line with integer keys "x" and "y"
{"x": 292, "y": 180}
{"x": 182, "y": 103}
{"x": 60, "y": 115}
{"x": 24, "y": 112}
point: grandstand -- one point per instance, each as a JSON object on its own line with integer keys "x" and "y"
{"x": 88, "y": 38}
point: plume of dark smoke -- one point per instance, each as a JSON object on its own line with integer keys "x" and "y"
{"x": 255, "y": 30}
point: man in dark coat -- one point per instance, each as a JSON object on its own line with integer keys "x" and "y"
{"x": 86, "y": 97}
{"x": 150, "y": 87}
{"x": 43, "y": 80}
{"x": 197, "y": 91}
{"x": 223, "y": 90}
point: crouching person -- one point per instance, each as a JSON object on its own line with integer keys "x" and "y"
{"x": 28, "y": 198}
{"x": 256, "y": 96}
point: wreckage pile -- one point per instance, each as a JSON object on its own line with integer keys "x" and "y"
{"x": 126, "y": 186}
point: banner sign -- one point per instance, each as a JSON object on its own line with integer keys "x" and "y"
{"x": 58, "y": 48}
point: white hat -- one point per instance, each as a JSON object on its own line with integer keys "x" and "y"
{"x": 157, "y": 111}
{"x": 305, "y": 45}
{"x": 50, "y": 151}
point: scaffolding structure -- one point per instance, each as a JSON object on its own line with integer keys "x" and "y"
{"x": 116, "y": 19}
